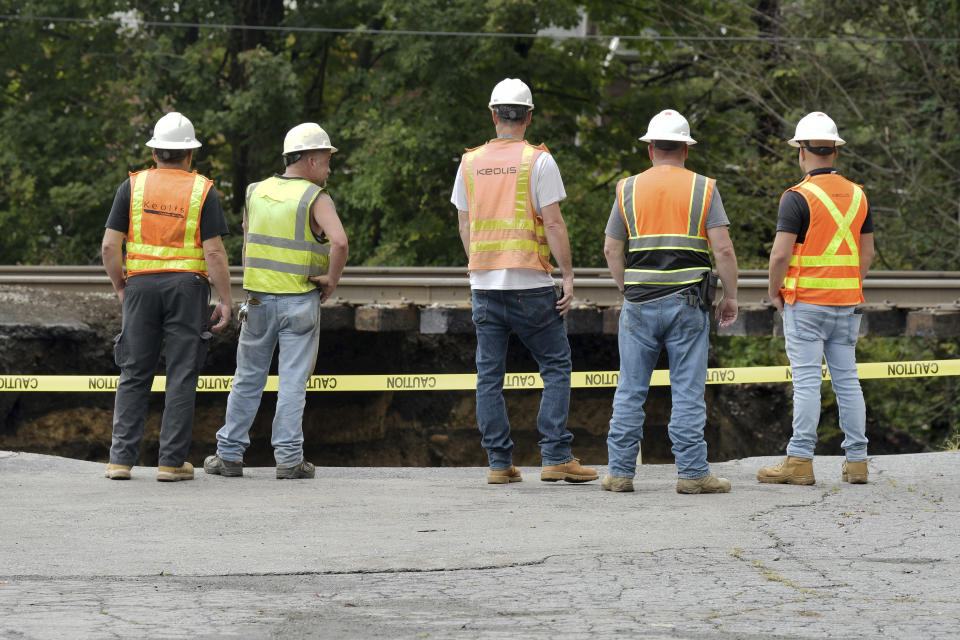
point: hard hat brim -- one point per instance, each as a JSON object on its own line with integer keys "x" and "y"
{"x": 325, "y": 148}
{"x": 795, "y": 142}
{"x": 519, "y": 104}
{"x": 186, "y": 144}
{"x": 672, "y": 137}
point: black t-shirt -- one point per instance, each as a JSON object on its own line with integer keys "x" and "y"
{"x": 212, "y": 222}
{"x": 794, "y": 213}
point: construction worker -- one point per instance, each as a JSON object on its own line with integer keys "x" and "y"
{"x": 172, "y": 223}
{"x": 508, "y": 195}
{"x": 294, "y": 251}
{"x": 820, "y": 255}
{"x": 657, "y": 246}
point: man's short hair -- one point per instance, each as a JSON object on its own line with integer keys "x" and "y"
{"x": 667, "y": 145}
{"x": 512, "y": 113}
{"x": 171, "y": 155}
{"x": 819, "y": 151}
{"x": 297, "y": 156}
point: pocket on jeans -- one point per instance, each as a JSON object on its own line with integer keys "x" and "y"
{"x": 539, "y": 309}
{"x": 479, "y": 308}
{"x": 853, "y": 330}
{"x": 806, "y": 325}
{"x": 630, "y": 317}
{"x": 693, "y": 319}
{"x": 255, "y": 324}
{"x": 302, "y": 317}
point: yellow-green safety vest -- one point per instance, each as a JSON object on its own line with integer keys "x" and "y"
{"x": 281, "y": 251}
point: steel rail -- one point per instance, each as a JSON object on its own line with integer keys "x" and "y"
{"x": 450, "y": 286}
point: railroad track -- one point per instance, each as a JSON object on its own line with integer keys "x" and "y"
{"x": 449, "y": 285}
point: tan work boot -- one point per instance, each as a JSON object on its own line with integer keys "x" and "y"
{"x": 504, "y": 476}
{"x": 855, "y": 472}
{"x": 706, "y": 484}
{"x": 617, "y": 484}
{"x": 790, "y": 470}
{"x": 117, "y": 472}
{"x": 173, "y": 474}
{"x": 569, "y": 471}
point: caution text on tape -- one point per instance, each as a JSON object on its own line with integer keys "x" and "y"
{"x": 468, "y": 381}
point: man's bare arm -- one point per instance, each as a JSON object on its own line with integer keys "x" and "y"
{"x": 325, "y": 215}
{"x": 556, "y": 231}
{"x": 779, "y": 262}
{"x": 111, "y": 251}
{"x": 616, "y": 260}
{"x": 726, "y": 257}
{"x": 219, "y": 269}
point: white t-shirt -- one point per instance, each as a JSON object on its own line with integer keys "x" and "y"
{"x": 546, "y": 187}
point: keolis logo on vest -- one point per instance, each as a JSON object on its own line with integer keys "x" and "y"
{"x": 497, "y": 171}
{"x": 164, "y": 209}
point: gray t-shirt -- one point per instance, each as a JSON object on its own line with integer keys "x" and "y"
{"x": 716, "y": 217}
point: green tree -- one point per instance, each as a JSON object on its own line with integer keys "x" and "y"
{"x": 80, "y": 98}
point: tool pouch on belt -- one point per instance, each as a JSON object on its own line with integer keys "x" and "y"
{"x": 708, "y": 289}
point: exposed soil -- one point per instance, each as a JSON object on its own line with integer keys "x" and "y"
{"x": 58, "y": 334}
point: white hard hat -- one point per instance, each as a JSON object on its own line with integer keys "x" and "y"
{"x": 173, "y": 131}
{"x": 816, "y": 126}
{"x": 668, "y": 125}
{"x": 306, "y": 137}
{"x": 511, "y": 91}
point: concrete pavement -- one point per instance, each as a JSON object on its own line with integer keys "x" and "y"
{"x": 437, "y": 553}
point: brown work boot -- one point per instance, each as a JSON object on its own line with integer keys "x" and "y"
{"x": 855, "y": 472}
{"x": 504, "y": 476}
{"x": 616, "y": 484}
{"x": 174, "y": 474}
{"x": 117, "y": 472}
{"x": 790, "y": 470}
{"x": 706, "y": 484}
{"x": 304, "y": 470}
{"x": 569, "y": 471}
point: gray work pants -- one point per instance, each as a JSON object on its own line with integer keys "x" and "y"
{"x": 159, "y": 306}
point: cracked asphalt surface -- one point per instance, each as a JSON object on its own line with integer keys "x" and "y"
{"x": 438, "y": 553}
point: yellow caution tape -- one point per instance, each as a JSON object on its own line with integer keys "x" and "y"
{"x": 468, "y": 381}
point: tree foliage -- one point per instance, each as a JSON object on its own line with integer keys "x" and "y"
{"x": 80, "y": 97}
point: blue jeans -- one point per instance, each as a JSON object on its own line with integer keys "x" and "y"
{"x": 293, "y": 320}
{"x": 644, "y": 330}
{"x": 532, "y": 315}
{"x": 814, "y": 332}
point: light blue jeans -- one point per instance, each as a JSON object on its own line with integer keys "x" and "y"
{"x": 813, "y": 332}
{"x": 293, "y": 321}
{"x": 532, "y": 315}
{"x": 644, "y": 330}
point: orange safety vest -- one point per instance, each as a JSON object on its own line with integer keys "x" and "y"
{"x": 825, "y": 268}
{"x": 164, "y": 231}
{"x": 505, "y": 230}
{"x": 665, "y": 210}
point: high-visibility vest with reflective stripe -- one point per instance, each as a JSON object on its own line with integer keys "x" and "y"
{"x": 281, "y": 252}
{"x": 505, "y": 230}
{"x": 164, "y": 230}
{"x": 665, "y": 210}
{"x": 825, "y": 268}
